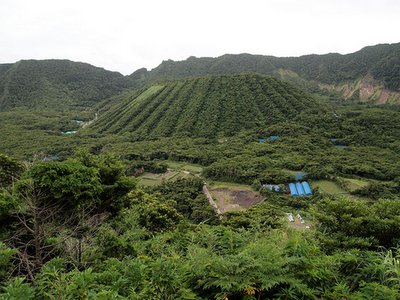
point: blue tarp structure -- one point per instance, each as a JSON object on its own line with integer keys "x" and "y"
{"x": 307, "y": 188}
{"x": 339, "y": 146}
{"x": 300, "y": 189}
{"x": 272, "y": 137}
{"x": 293, "y": 189}
{"x": 77, "y": 121}
{"x": 299, "y": 176}
{"x": 272, "y": 187}
{"x": 54, "y": 157}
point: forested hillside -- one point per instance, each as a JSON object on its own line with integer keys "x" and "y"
{"x": 208, "y": 107}
{"x": 339, "y": 76}
{"x": 371, "y": 74}
{"x": 60, "y": 85}
{"x": 82, "y": 229}
{"x": 114, "y": 199}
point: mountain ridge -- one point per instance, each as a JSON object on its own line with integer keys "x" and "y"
{"x": 331, "y": 78}
{"x": 314, "y": 73}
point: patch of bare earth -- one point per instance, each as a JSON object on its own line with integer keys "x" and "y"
{"x": 368, "y": 87}
{"x": 349, "y": 91}
{"x": 383, "y": 97}
{"x": 166, "y": 175}
{"x": 150, "y": 175}
{"x": 298, "y": 225}
{"x": 233, "y": 199}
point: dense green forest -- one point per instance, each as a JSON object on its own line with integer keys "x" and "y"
{"x": 71, "y": 230}
{"x": 60, "y": 85}
{"x": 167, "y": 242}
{"x": 78, "y": 223}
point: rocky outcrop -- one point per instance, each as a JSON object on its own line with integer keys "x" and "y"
{"x": 368, "y": 89}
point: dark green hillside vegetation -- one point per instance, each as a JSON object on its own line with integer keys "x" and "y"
{"x": 79, "y": 225}
{"x": 388, "y": 70}
{"x": 343, "y": 72}
{"x": 110, "y": 239}
{"x": 328, "y": 68}
{"x": 57, "y": 85}
{"x": 368, "y": 136}
{"x": 336, "y": 68}
{"x": 208, "y": 107}
{"x": 24, "y": 133}
{"x": 60, "y": 241}
{"x": 331, "y": 78}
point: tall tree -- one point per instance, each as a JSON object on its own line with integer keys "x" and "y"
{"x": 52, "y": 200}
{"x": 114, "y": 184}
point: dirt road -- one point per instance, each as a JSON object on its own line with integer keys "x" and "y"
{"x": 207, "y": 193}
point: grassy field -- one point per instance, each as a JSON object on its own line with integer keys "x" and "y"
{"x": 156, "y": 179}
{"x": 327, "y": 187}
{"x": 183, "y": 175}
{"x": 148, "y": 182}
{"x": 356, "y": 184}
{"x": 330, "y": 187}
{"x": 193, "y": 168}
{"x": 229, "y": 185}
{"x": 184, "y": 166}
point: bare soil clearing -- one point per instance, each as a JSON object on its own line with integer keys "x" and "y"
{"x": 234, "y": 198}
{"x": 150, "y": 175}
{"x": 297, "y": 224}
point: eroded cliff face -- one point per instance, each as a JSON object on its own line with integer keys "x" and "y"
{"x": 368, "y": 88}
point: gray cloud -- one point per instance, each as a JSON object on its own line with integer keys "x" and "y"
{"x": 125, "y": 36}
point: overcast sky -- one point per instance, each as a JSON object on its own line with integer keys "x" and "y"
{"x": 124, "y": 36}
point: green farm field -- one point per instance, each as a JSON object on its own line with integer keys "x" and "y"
{"x": 327, "y": 186}
{"x": 355, "y": 184}
{"x": 148, "y": 182}
{"x": 150, "y": 179}
{"x": 184, "y": 166}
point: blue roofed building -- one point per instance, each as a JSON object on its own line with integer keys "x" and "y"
{"x": 307, "y": 188}
{"x": 293, "y": 189}
{"x": 300, "y": 189}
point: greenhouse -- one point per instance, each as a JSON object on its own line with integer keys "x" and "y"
{"x": 300, "y": 189}
{"x": 307, "y": 188}
{"x": 293, "y": 189}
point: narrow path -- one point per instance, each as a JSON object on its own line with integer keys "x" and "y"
{"x": 207, "y": 193}
{"x": 90, "y": 122}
